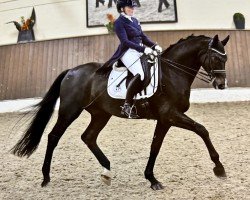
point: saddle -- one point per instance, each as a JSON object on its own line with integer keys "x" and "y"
{"x": 120, "y": 77}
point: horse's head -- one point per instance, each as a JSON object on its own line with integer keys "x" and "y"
{"x": 213, "y": 61}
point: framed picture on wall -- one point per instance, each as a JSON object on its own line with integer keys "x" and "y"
{"x": 149, "y": 11}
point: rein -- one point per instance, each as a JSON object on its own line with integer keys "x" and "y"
{"x": 203, "y": 75}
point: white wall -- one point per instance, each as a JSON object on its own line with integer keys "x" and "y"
{"x": 67, "y": 18}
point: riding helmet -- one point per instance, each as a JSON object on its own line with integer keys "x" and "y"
{"x": 123, "y": 3}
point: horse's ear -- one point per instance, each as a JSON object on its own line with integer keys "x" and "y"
{"x": 224, "y": 42}
{"x": 215, "y": 39}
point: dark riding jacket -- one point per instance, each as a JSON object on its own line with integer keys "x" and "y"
{"x": 131, "y": 36}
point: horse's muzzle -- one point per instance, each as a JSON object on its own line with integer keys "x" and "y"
{"x": 219, "y": 83}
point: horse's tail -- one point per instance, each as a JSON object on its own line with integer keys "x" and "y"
{"x": 31, "y": 138}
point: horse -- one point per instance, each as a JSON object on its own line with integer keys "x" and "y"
{"x": 81, "y": 88}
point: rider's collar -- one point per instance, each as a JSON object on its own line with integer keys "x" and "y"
{"x": 127, "y": 16}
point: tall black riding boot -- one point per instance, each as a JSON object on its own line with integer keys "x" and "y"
{"x": 135, "y": 85}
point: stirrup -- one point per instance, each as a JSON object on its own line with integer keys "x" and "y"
{"x": 128, "y": 111}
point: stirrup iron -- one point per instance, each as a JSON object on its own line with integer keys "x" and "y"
{"x": 130, "y": 114}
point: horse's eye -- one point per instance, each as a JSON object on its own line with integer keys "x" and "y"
{"x": 214, "y": 59}
{"x": 217, "y": 60}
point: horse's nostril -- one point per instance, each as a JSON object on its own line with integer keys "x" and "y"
{"x": 221, "y": 86}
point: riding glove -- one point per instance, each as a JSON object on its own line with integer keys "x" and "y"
{"x": 148, "y": 51}
{"x": 158, "y": 48}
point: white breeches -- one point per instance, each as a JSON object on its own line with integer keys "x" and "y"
{"x": 131, "y": 59}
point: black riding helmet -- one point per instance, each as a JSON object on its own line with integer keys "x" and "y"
{"x": 123, "y": 3}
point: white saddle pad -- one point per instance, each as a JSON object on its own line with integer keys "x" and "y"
{"x": 117, "y": 90}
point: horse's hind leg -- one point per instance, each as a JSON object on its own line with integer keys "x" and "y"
{"x": 65, "y": 118}
{"x": 181, "y": 120}
{"x": 98, "y": 122}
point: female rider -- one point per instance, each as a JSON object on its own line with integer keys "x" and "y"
{"x": 131, "y": 48}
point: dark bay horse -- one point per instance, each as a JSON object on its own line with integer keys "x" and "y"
{"x": 78, "y": 87}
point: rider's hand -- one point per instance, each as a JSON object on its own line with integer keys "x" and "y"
{"x": 148, "y": 51}
{"x": 158, "y": 48}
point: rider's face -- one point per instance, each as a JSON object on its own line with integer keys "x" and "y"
{"x": 129, "y": 10}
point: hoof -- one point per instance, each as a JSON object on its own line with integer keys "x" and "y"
{"x": 106, "y": 177}
{"x": 157, "y": 186}
{"x": 106, "y": 180}
{"x": 45, "y": 182}
{"x": 220, "y": 172}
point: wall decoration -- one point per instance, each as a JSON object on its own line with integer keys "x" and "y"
{"x": 149, "y": 11}
{"x": 110, "y": 24}
{"x": 25, "y": 28}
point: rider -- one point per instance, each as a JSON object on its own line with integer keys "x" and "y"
{"x": 131, "y": 48}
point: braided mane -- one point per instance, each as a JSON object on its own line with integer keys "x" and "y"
{"x": 183, "y": 40}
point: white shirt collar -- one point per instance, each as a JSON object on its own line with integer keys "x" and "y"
{"x": 127, "y": 16}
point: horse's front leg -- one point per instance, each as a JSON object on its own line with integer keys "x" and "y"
{"x": 160, "y": 132}
{"x": 182, "y": 121}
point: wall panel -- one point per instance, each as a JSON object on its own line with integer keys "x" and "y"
{"x": 28, "y": 70}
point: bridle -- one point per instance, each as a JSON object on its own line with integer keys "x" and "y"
{"x": 211, "y": 72}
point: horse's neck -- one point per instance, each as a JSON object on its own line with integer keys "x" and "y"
{"x": 187, "y": 57}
